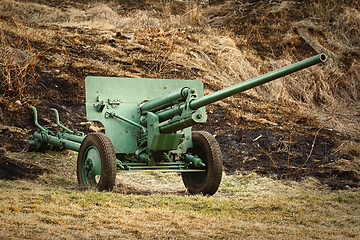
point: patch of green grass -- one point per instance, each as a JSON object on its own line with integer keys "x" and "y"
{"x": 55, "y": 153}
{"x": 234, "y": 183}
{"x": 348, "y": 197}
{"x": 34, "y": 154}
{"x": 4, "y": 184}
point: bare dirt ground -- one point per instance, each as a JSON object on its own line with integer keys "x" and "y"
{"x": 272, "y": 137}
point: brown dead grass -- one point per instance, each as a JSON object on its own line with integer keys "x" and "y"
{"x": 156, "y": 206}
{"x": 193, "y": 39}
{"x": 18, "y": 60}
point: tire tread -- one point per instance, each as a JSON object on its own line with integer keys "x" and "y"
{"x": 214, "y": 171}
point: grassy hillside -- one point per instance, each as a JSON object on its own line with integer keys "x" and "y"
{"x": 221, "y": 43}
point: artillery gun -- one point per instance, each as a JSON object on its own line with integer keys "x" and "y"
{"x": 148, "y": 128}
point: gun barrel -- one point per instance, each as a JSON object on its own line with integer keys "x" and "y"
{"x": 257, "y": 81}
{"x": 243, "y": 86}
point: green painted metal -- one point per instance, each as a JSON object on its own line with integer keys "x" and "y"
{"x": 158, "y": 141}
{"x": 58, "y": 121}
{"x": 129, "y": 94}
{"x": 62, "y": 143}
{"x": 181, "y": 123}
{"x": 178, "y": 166}
{"x": 243, "y": 86}
{"x": 112, "y": 114}
{"x": 36, "y": 120}
{"x": 70, "y": 137}
{"x": 148, "y": 122}
{"x": 164, "y": 101}
{"x": 57, "y": 138}
{"x": 197, "y": 162}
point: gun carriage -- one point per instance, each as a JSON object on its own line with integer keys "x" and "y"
{"x": 148, "y": 128}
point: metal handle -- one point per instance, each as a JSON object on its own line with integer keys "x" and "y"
{"x": 36, "y": 120}
{"x": 58, "y": 122}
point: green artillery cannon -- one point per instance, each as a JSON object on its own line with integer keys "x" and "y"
{"x": 148, "y": 128}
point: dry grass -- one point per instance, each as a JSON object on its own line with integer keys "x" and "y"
{"x": 349, "y": 146}
{"x": 192, "y": 40}
{"x": 156, "y": 206}
{"x": 245, "y": 207}
{"x": 18, "y": 61}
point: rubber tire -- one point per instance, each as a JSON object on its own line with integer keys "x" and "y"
{"x": 108, "y": 160}
{"x": 207, "y": 148}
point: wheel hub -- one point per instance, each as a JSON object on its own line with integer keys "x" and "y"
{"x": 92, "y": 166}
{"x": 88, "y": 168}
